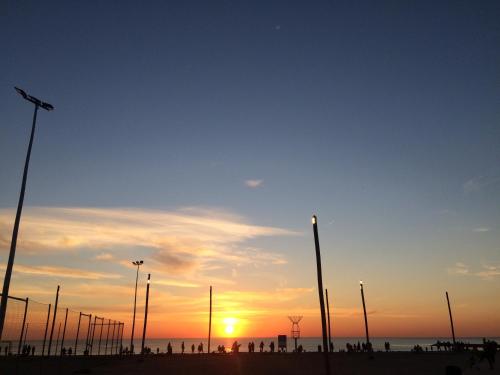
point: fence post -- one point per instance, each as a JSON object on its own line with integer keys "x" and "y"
{"x": 88, "y": 333}
{"x": 78, "y": 330}
{"x": 53, "y": 320}
{"x": 22, "y": 328}
{"x": 64, "y": 331}
{"x": 107, "y": 337}
{"x": 46, "y": 328}
{"x": 93, "y": 333}
{"x": 121, "y": 338}
{"x": 113, "y": 337}
{"x": 100, "y": 337}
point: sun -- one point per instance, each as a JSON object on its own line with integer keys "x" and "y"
{"x": 229, "y": 326}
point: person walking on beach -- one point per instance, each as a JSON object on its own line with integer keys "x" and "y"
{"x": 261, "y": 346}
{"x": 192, "y": 349}
{"x": 182, "y": 348}
{"x": 271, "y": 346}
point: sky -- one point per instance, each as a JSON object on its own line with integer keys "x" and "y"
{"x": 201, "y": 137}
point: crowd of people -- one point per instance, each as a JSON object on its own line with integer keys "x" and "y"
{"x": 359, "y": 347}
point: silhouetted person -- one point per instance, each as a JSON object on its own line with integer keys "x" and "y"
{"x": 235, "y": 348}
{"x": 261, "y": 346}
{"x": 182, "y": 348}
{"x": 271, "y": 346}
{"x": 169, "y": 348}
{"x": 331, "y": 347}
{"x": 250, "y": 347}
{"x": 70, "y": 351}
{"x": 192, "y": 349}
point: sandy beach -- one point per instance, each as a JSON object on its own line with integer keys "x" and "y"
{"x": 245, "y": 363}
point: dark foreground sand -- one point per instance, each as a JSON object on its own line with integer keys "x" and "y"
{"x": 245, "y": 363}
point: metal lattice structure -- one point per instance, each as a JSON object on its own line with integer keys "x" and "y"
{"x": 295, "y": 326}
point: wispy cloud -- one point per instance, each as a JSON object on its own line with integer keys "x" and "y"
{"x": 478, "y": 183}
{"x": 178, "y": 241}
{"x": 254, "y": 183}
{"x": 481, "y": 229}
{"x": 104, "y": 256}
{"x": 487, "y": 271}
{"x": 65, "y": 272}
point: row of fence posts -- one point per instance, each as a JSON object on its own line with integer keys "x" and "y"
{"x": 116, "y": 332}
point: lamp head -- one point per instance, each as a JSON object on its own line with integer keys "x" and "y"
{"x": 314, "y": 219}
{"x": 35, "y": 101}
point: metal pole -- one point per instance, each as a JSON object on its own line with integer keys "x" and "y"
{"x": 145, "y": 314}
{"x": 133, "y": 319}
{"x": 100, "y": 337}
{"x": 107, "y": 337}
{"x": 53, "y": 320}
{"x": 364, "y": 311}
{"x": 210, "y": 320}
{"x": 12, "y": 253}
{"x": 78, "y": 330}
{"x": 113, "y": 337}
{"x": 328, "y": 316}
{"x": 64, "y": 329}
{"x": 88, "y": 333}
{"x": 121, "y": 337}
{"x": 22, "y": 328}
{"x": 57, "y": 339}
{"x": 26, "y": 333}
{"x": 320, "y": 293}
{"x": 451, "y": 318}
{"x": 93, "y": 334}
{"x": 46, "y": 328}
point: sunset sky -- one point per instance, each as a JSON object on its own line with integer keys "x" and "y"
{"x": 200, "y": 136}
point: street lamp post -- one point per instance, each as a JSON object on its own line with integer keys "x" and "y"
{"x": 145, "y": 314}
{"x": 364, "y": 311}
{"x": 10, "y": 264}
{"x": 320, "y": 291}
{"x": 137, "y": 263}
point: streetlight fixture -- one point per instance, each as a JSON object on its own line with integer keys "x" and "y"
{"x": 137, "y": 263}
{"x": 145, "y": 315}
{"x": 320, "y": 291}
{"x": 10, "y": 264}
{"x": 364, "y": 311}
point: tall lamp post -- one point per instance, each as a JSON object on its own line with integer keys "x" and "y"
{"x": 320, "y": 291}
{"x": 145, "y": 315}
{"x": 364, "y": 312}
{"x": 137, "y": 263}
{"x": 10, "y": 264}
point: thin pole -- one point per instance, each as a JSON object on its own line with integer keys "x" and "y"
{"x": 320, "y": 293}
{"x": 107, "y": 337}
{"x": 88, "y": 333}
{"x": 451, "y": 319}
{"x": 93, "y": 334}
{"x": 328, "y": 316}
{"x": 121, "y": 338}
{"x": 26, "y": 333}
{"x": 210, "y": 320}
{"x": 22, "y": 328}
{"x": 364, "y": 311}
{"x": 64, "y": 329}
{"x": 145, "y": 314}
{"x": 135, "y": 305}
{"x": 53, "y": 320}
{"x": 12, "y": 253}
{"x": 46, "y": 328}
{"x": 100, "y": 337}
{"x": 57, "y": 339}
{"x": 78, "y": 330}
{"x": 113, "y": 337}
